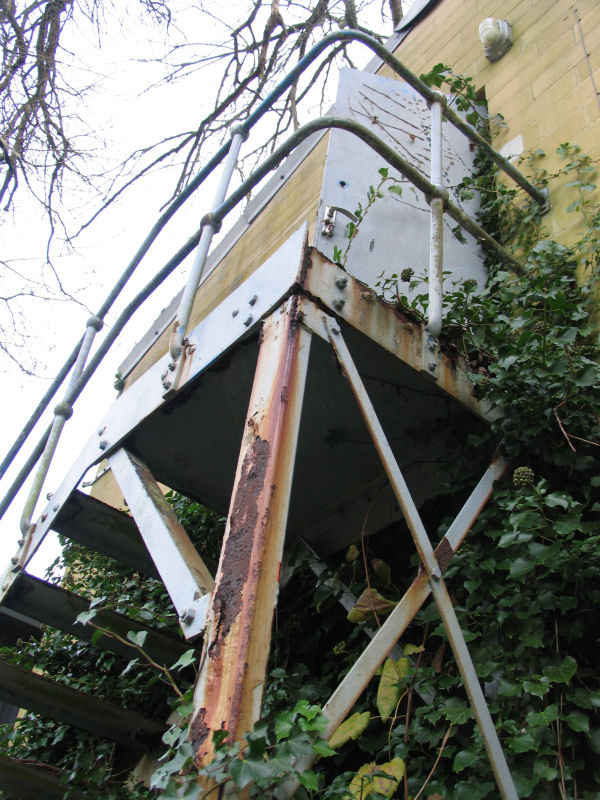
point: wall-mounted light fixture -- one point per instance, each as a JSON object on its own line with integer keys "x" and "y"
{"x": 496, "y": 37}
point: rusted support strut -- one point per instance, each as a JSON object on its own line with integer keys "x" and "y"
{"x": 230, "y": 683}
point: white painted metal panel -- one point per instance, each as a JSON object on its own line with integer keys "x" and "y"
{"x": 395, "y": 231}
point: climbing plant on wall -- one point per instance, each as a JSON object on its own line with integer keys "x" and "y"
{"x": 525, "y": 583}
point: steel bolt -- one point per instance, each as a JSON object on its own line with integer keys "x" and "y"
{"x": 339, "y": 304}
{"x": 436, "y": 574}
{"x": 248, "y": 322}
{"x": 101, "y": 431}
{"x": 166, "y": 385}
{"x": 55, "y": 507}
{"x": 103, "y": 444}
{"x": 187, "y": 616}
{"x": 44, "y": 517}
{"x": 432, "y": 366}
{"x": 253, "y": 299}
{"x": 335, "y": 330}
{"x": 172, "y": 365}
{"x": 14, "y": 560}
{"x": 341, "y": 282}
{"x": 21, "y": 542}
{"x": 235, "y": 312}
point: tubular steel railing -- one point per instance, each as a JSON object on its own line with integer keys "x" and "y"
{"x": 433, "y": 190}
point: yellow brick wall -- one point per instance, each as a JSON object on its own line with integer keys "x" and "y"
{"x": 542, "y": 86}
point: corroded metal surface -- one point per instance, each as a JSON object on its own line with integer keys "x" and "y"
{"x": 361, "y": 307}
{"x": 229, "y": 688}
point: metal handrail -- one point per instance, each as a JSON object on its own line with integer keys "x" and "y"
{"x": 432, "y": 192}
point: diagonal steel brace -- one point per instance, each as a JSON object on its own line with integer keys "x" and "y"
{"x": 183, "y": 572}
{"x": 429, "y": 562}
{"x": 382, "y": 645}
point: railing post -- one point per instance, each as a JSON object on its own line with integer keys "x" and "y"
{"x": 210, "y": 225}
{"x": 62, "y": 413}
{"x": 436, "y": 222}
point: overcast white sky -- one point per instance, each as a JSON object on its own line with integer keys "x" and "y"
{"x": 124, "y": 119}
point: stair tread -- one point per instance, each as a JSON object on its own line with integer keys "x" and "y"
{"x": 92, "y": 523}
{"x": 26, "y": 689}
{"x": 42, "y": 602}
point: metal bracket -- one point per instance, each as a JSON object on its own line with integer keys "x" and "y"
{"x": 328, "y": 221}
{"x": 430, "y": 356}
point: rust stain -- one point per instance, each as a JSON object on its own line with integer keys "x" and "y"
{"x": 238, "y": 546}
{"x": 444, "y": 553}
{"x": 199, "y": 730}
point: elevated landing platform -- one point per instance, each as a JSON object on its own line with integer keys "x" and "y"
{"x": 190, "y": 440}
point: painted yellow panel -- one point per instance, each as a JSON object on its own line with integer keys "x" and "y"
{"x": 295, "y": 203}
{"x": 107, "y": 490}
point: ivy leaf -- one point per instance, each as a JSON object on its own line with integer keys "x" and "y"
{"x": 370, "y": 602}
{"x": 322, "y": 749}
{"x": 457, "y": 711}
{"x": 309, "y": 780}
{"x": 390, "y": 686}
{"x": 537, "y": 687}
{"x": 184, "y": 660}
{"x": 350, "y": 729}
{"x": 284, "y": 723}
{"x": 244, "y": 771}
{"x": 137, "y": 637}
{"x": 558, "y": 499}
{"x": 131, "y": 664}
{"x": 382, "y": 570}
{"x": 97, "y": 634}
{"x": 464, "y": 759}
{"x": 410, "y": 649}
{"x": 545, "y": 717}
{"x": 522, "y": 743}
{"x": 578, "y": 721}
{"x": 563, "y": 672}
{"x": 521, "y": 567}
{"x": 85, "y": 616}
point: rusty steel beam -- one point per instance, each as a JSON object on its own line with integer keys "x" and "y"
{"x": 237, "y": 641}
{"x": 362, "y": 308}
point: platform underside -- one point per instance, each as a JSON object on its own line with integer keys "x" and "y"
{"x": 191, "y": 440}
{"x": 192, "y": 443}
